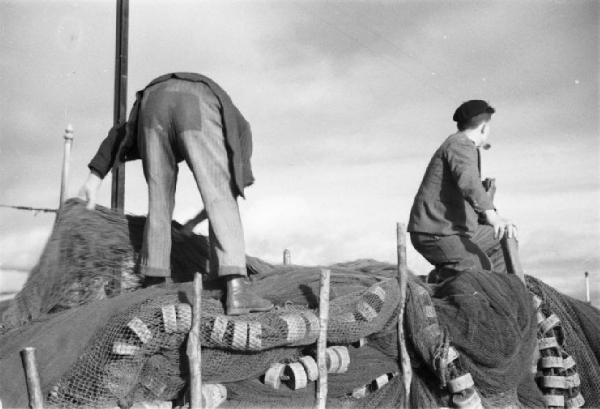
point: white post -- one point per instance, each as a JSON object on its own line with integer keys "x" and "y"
{"x": 322, "y": 388}
{"x": 68, "y": 136}
{"x": 587, "y": 288}
{"x": 287, "y": 257}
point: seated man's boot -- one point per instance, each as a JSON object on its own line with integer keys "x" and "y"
{"x": 240, "y": 300}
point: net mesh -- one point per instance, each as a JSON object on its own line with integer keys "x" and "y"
{"x": 102, "y": 340}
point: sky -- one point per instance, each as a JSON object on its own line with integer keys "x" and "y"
{"x": 347, "y": 100}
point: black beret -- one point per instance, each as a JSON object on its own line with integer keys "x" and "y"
{"x": 470, "y": 109}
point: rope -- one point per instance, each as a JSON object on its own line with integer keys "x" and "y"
{"x": 33, "y": 209}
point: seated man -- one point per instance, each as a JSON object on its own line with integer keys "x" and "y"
{"x": 187, "y": 117}
{"x": 443, "y": 222}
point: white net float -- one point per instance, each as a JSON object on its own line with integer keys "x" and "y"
{"x": 366, "y": 311}
{"x": 537, "y": 301}
{"x": 333, "y": 360}
{"x": 213, "y": 395}
{"x": 254, "y": 336}
{"x": 344, "y": 356}
{"x": 155, "y": 404}
{"x": 576, "y": 402}
{"x": 546, "y": 343}
{"x": 378, "y": 291}
{"x": 274, "y": 374}
{"x": 573, "y": 381}
{"x": 360, "y": 343}
{"x": 346, "y": 317}
{"x": 311, "y": 367}
{"x": 313, "y": 324}
{"x": 569, "y": 362}
{"x": 184, "y": 317}
{"x": 461, "y": 383}
{"x": 381, "y": 381}
{"x": 240, "y": 335}
{"x": 540, "y": 316}
{"x": 169, "y": 316}
{"x": 469, "y": 399}
{"x": 452, "y": 356}
{"x": 557, "y": 382}
{"x": 122, "y": 348}
{"x": 555, "y": 400}
{"x": 296, "y": 327}
{"x": 297, "y": 375}
{"x": 360, "y": 392}
{"x": 140, "y": 329}
{"x": 552, "y": 362}
{"x": 549, "y": 323}
{"x": 218, "y": 329}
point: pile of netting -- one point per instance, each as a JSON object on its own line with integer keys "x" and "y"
{"x": 103, "y": 341}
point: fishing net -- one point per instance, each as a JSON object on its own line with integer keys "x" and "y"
{"x": 101, "y": 340}
{"x": 580, "y": 327}
{"x": 92, "y": 255}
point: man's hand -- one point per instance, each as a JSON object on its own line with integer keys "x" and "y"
{"x": 500, "y": 225}
{"x": 89, "y": 189}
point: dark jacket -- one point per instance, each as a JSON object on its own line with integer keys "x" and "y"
{"x": 121, "y": 143}
{"x": 451, "y": 194}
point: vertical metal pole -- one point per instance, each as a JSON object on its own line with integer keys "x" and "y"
{"x": 287, "y": 257}
{"x": 587, "y": 288}
{"x": 34, "y": 388}
{"x": 322, "y": 341}
{"x": 117, "y": 199}
{"x": 68, "y": 136}
{"x": 402, "y": 281}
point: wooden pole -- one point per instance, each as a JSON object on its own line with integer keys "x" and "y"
{"x": 587, "y": 288}
{"x": 194, "y": 347}
{"x": 32, "y": 377}
{"x": 68, "y": 137}
{"x": 117, "y": 199}
{"x": 287, "y": 257}
{"x": 402, "y": 281}
{"x": 322, "y": 341}
{"x": 510, "y": 249}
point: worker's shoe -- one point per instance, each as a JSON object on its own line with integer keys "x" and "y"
{"x": 241, "y": 300}
{"x": 160, "y": 282}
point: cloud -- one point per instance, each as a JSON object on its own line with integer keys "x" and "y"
{"x": 347, "y": 101}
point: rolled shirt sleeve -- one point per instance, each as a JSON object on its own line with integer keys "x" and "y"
{"x": 106, "y": 155}
{"x": 463, "y": 161}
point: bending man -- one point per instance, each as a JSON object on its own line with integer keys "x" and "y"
{"x": 187, "y": 117}
{"x": 444, "y": 220}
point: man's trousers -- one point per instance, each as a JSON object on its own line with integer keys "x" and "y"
{"x": 181, "y": 120}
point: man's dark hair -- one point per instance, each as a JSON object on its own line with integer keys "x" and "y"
{"x": 474, "y": 122}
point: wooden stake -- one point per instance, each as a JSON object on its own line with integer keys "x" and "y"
{"x": 194, "y": 347}
{"x": 402, "y": 281}
{"x": 510, "y": 249}
{"x": 587, "y": 288}
{"x": 68, "y": 136}
{"x": 287, "y": 257}
{"x": 322, "y": 341}
{"x": 34, "y": 389}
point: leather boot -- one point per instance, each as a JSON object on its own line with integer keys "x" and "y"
{"x": 240, "y": 300}
{"x": 160, "y": 282}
